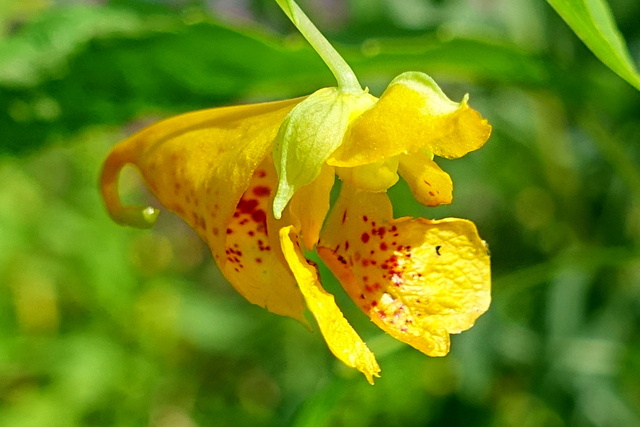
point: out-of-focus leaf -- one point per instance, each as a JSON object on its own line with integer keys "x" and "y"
{"x": 110, "y": 78}
{"x": 12, "y": 12}
{"x": 83, "y": 66}
{"x": 593, "y": 22}
{"x": 463, "y": 58}
{"x": 42, "y": 46}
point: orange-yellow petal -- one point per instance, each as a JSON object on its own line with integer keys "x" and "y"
{"x": 310, "y": 204}
{"x": 413, "y": 113}
{"x": 418, "y": 280}
{"x": 374, "y": 177}
{"x": 429, "y": 184}
{"x": 253, "y": 261}
{"x": 342, "y": 340}
{"x": 204, "y": 166}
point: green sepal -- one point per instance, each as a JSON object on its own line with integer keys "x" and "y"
{"x": 309, "y": 134}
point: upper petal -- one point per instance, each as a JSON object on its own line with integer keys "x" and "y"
{"x": 418, "y": 280}
{"x": 342, "y": 340}
{"x": 412, "y": 113}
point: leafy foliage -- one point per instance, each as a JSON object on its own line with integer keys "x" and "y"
{"x": 593, "y": 23}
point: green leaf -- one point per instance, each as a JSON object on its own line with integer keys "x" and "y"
{"x": 41, "y": 48}
{"x": 106, "y": 69}
{"x": 593, "y": 22}
{"x": 458, "y": 58}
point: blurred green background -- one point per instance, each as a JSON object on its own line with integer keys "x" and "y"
{"x": 102, "y": 325}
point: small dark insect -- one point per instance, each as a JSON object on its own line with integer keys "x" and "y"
{"x": 438, "y": 250}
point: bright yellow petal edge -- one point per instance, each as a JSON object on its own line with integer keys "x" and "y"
{"x": 412, "y": 114}
{"x": 342, "y": 340}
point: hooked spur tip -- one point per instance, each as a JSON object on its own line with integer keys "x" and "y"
{"x": 133, "y": 216}
{"x": 136, "y": 216}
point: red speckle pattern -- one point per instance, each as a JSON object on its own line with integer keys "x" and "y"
{"x": 247, "y": 232}
{"x": 384, "y": 272}
{"x": 261, "y": 190}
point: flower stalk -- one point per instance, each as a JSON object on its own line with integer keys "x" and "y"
{"x": 346, "y": 78}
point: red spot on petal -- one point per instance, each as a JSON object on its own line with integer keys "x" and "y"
{"x": 365, "y": 218}
{"x": 383, "y": 246}
{"x": 261, "y": 191}
{"x": 247, "y": 205}
{"x": 261, "y": 173}
{"x": 365, "y": 237}
{"x": 259, "y": 216}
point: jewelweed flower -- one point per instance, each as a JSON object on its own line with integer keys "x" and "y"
{"x": 254, "y": 181}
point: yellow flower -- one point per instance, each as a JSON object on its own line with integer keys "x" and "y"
{"x": 254, "y": 182}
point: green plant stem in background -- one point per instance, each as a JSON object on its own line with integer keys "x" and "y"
{"x": 347, "y": 80}
{"x": 615, "y": 153}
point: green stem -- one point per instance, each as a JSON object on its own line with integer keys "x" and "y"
{"x": 615, "y": 153}
{"x": 347, "y": 80}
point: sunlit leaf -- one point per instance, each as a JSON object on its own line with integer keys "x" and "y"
{"x": 593, "y": 22}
